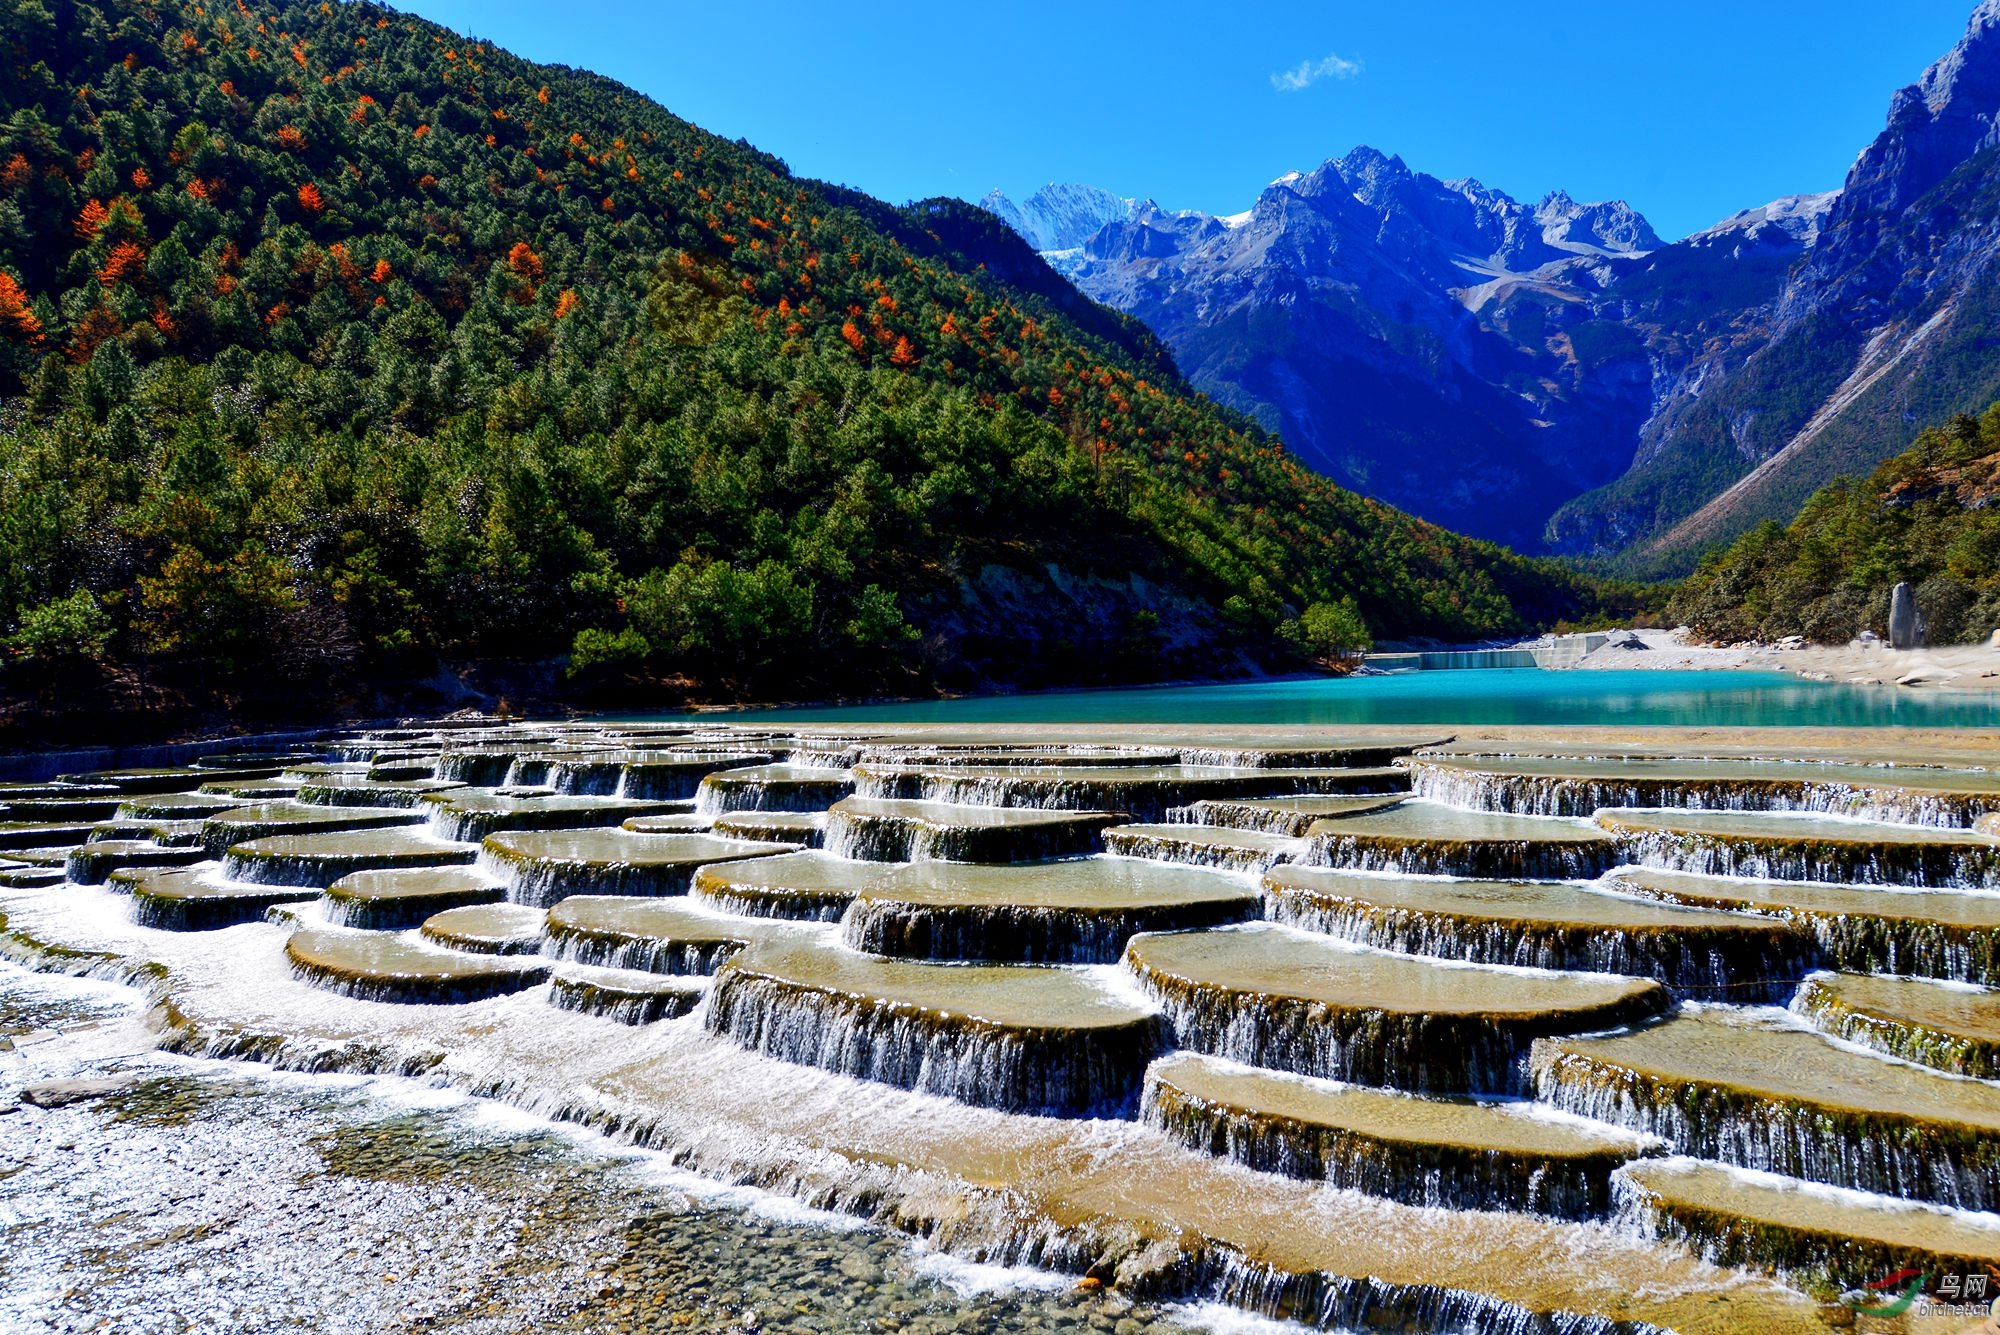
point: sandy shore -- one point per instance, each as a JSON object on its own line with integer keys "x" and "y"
{"x": 1962, "y": 667}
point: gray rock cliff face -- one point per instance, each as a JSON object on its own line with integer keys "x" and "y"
{"x": 1886, "y": 323}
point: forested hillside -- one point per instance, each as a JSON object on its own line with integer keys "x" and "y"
{"x": 1927, "y": 516}
{"x": 335, "y": 346}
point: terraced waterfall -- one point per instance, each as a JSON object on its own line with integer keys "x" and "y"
{"x": 1373, "y": 1032}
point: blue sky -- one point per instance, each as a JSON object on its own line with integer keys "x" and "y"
{"x": 1689, "y": 110}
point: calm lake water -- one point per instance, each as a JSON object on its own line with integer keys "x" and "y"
{"x": 1488, "y": 695}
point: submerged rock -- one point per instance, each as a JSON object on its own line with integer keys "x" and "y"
{"x": 196, "y": 901}
{"x": 93, "y": 863}
{"x": 665, "y": 936}
{"x": 810, "y": 886}
{"x": 1226, "y": 849}
{"x": 468, "y": 815}
{"x": 1426, "y": 839}
{"x": 62, "y": 1093}
{"x": 623, "y": 995}
{"x": 1866, "y": 928}
{"x": 1291, "y": 817}
{"x": 1143, "y": 793}
{"x": 487, "y": 929}
{"x": 1552, "y": 786}
{"x": 772, "y": 788}
{"x": 265, "y": 820}
{"x": 398, "y": 898}
{"x": 807, "y": 829}
{"x": 318, "y": 860}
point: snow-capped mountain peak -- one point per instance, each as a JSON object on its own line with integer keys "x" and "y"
{"x": 1061, "y": 215}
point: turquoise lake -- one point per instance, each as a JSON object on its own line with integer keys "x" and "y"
{"x": 1479, "y": 696}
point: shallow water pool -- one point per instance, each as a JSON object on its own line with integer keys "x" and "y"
{"x": 1529, "y": 696}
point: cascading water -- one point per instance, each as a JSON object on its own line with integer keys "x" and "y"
{"x": 1053, "y": 1071}
{"x": 999, "y": 996}
{"x": 1745, "y": 789}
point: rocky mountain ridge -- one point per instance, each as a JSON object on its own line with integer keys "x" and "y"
{"x": 1404, "y": 333}
{"x": 1890, "y": 320}
{"x": 1554, "y": 375}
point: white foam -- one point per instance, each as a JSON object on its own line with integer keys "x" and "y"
{"x": 966, "y": 1278}
{"x": 1223, "y": 1319}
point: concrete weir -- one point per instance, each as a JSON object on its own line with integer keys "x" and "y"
{"x": 1423, "y": 838}
{"x": 1914, "y": 794}
{"x": 1769, "y": 1094}
{"x": 1204, "y": 1014}
{"x": 1074, "y": 911}
{"x": 893, "y": 830}
{"x": 1456, "y": 1154}
{"x": 1807, "y": 848}
{"x": 377, "y": 967}
{"x": 540, "y": 868}
{"x": 1295, "y": 1001}
{"x": 1549, "y": 925}
{"x": 1029, "y": 1040}
{"x": 809, "y": 886}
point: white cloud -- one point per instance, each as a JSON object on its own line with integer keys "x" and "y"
{"x": 1310, "y": 72}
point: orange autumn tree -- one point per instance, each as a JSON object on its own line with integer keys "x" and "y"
{"x": 310, "y": 199}
{"x": 17, "y": 317}
{"x": 125, "y": 261}
{"x": 526, "y": 266}
{"x": 91, "y": 219}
